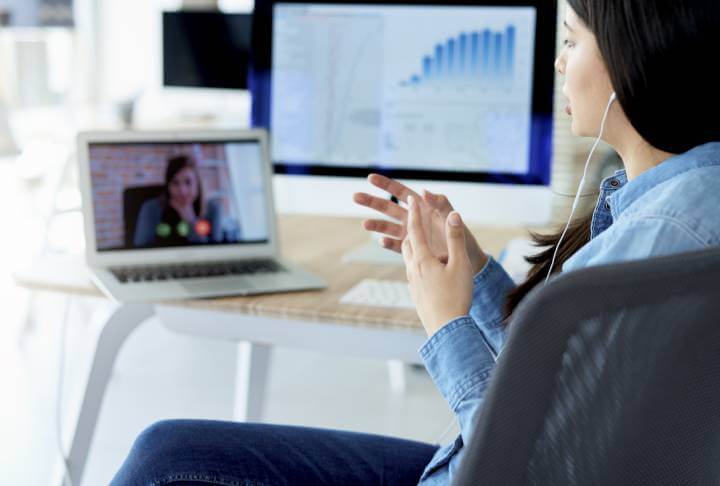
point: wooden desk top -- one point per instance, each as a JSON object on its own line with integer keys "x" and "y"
{"x": 324, "y": 240}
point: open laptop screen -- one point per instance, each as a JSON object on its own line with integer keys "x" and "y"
{"x": 159, "y": 195}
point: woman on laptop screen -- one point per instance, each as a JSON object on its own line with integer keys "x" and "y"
{"x": 180, "y": 215}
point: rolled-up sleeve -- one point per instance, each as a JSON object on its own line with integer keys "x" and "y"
{"x": 457, "y": 359}
{"x": 490, "y": 287}
{"x": 460, "y": 364}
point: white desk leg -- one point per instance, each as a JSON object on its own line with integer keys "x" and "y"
{"x": 121, "y": 323}
{"x": 251, "y": 375}
{"x": 398, "y": 378}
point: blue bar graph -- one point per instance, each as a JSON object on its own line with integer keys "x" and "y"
{"x": 498, "y": 56}
{"x": 438, "y": 62}
{"x": 510, "y": 50}
{"x": 474, "y": 52}
{"x": 485, "y": 63}
{"x": 473, "y": 57}
{"x": 462, "y": 55}
{"x": 427, "y": 67}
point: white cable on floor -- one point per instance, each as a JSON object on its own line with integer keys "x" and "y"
{"x": 67, "y": 480}
{"x": 447, "y": 429}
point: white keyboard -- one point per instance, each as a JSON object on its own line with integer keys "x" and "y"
{"x": 379, "y": 293}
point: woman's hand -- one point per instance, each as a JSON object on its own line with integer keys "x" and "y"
{"x": 433, "y": 210}
{"x": 186, "y": 212}
{"x": 440, "y": 291}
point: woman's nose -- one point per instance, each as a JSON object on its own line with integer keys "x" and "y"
{"x": 560, "y": 65}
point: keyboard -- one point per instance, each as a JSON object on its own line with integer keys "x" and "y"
{"x": 379, "y": 293}
{"x": 154, "y": 273}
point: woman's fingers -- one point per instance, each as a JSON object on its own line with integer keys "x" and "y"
{"x": 386, "y": 227}
{"x": 384, "y": 206}
{"x": 400, "y": 191}
{"x": 415, "y": 231}
{"x": 437, "y": 201}
{"x": 392, "y": 244}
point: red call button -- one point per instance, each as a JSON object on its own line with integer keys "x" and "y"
{"x": 202, "y": 227}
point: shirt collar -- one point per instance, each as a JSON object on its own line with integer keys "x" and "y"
{"x": 628, "y": 192}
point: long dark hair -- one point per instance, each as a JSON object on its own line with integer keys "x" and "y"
{"x": 657, "y": 56}
{"x": 175, "y": 165}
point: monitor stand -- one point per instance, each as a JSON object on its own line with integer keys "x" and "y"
{"x": 372, "y": 253}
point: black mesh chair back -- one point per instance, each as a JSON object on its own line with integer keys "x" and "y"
{"x": 610, "y": 376}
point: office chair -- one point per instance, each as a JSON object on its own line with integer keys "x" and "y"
{"x": 610, "y": 376}
{"x": 133, "y": 199}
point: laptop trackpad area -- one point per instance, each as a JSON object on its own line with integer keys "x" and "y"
{"x": 218, "y": 286}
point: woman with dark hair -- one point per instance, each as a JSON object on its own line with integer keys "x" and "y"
{"x": 181, "y": 214}
{"x": 637, "y": 73}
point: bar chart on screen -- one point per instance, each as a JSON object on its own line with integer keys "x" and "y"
{"x": 458, "y": 90}
{"x": 477, "y": 59}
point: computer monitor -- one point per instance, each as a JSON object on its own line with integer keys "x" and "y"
{"x": 453, "y": 96}
{"x": 206, "y": 49}
{"x": 36, "y": 13}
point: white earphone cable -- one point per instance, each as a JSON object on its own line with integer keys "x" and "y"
{"x": 582, "y": 182}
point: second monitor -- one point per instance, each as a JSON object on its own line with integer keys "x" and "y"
{"x": 206, "y": 49}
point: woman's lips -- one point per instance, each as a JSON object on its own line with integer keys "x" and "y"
{"x": 568, "y": 110}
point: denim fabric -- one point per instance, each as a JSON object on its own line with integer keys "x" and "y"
{"x": 668, "y": 209}
{"x": 671, "y": 208}
{"x": 202, "y": 452}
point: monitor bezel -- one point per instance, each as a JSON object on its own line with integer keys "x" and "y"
{"x": 541, "y": 145}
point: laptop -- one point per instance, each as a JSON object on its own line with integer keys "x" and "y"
{"x": 177, "y": 215}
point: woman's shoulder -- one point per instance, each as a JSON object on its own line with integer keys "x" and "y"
{"x": 689, "y": 201}
{"x": 152, "y": 206}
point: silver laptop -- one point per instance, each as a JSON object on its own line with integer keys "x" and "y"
{"x": 173, "y": 215}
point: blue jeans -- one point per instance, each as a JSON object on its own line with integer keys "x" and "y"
{"x": 202, "y": 452}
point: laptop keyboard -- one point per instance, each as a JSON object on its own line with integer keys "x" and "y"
{"x": 197, "y": 270}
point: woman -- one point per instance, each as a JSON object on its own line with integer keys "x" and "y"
{"x": 662, "y": 121}
{"x": 180, "y": 215}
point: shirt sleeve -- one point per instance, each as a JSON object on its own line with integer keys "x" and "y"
{"x": 459, "y": 362}
{"x": 147, "y": 220}
{"x": 490, "y": 287}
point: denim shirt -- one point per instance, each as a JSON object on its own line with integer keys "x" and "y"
{"x": 671, "y": 208}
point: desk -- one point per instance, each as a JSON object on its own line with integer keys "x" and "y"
{"x": 313, "y": 320}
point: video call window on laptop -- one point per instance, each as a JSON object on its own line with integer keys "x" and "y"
{"x": 159, "y": 195}
{"x": 171, "y": 215}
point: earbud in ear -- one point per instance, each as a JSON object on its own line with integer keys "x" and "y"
{"x": 613, "y": 96}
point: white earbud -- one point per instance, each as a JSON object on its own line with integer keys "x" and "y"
{"x": 613, "y": 97}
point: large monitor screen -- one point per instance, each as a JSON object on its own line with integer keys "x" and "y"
{"x": 159, "y": 195}
{"x": 36, "y": 13}
{"x": 206, "y": 49}
{"x": 443, "y": 91}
